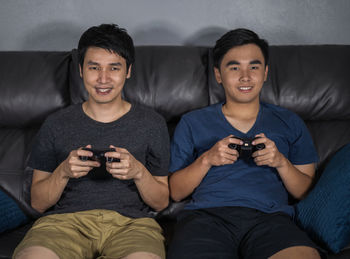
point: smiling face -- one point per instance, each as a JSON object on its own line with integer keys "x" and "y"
{"x": 242, "y": 73}
{"x": 104, "y": 74}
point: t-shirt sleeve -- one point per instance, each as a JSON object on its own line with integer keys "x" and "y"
{"x": 302, "y": 150}
{"x": 157, "y": 160}
{"x": 182, "y": 147}
{"x": 42, "y": 156}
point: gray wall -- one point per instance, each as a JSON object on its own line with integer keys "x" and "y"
{"x": 58, "y": 24}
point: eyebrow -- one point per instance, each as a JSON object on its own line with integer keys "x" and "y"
{"x": 234, "y": 62}
{"x": 256, "y": 61}
{"x": 93, "y": 63}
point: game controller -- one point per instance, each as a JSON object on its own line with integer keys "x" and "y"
{"x": 247, "y": 148}
{"x": 99, "y": 155}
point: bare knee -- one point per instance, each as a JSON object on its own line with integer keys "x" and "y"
{"x": 36, "y": 252}
{"x": 143, "y": 255}
{"x": 297, "y": 252}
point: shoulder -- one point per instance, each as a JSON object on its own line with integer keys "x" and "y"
{"x": 148, "y": 118}
{"x": 285, "y": 118}
{"x": 57, "y": 122}
{"x": 211, "y": 110}
{"x": 280, "y": 112}
{"x": 64, "y": 113}
{"x": 147, "y": 113}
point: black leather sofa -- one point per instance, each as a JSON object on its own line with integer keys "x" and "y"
{"x": 313, "y": 81}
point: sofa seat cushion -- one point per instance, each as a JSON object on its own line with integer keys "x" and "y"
{"x": 325, "y": 213}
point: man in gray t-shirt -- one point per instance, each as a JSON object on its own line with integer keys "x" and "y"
{"x": 96, "y": 207}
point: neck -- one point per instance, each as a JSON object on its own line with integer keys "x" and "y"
{"x": 106, "y": 112}
{"x": 244, "y": 111}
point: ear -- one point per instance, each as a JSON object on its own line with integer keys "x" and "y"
{"x": 80, "y": 71}
{"x": 266, "y": 72}
{"x": 217, "y": 75}
{"x": 128, "y": 75}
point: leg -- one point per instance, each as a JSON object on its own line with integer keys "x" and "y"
{"x": 143, "y": 255}
{"x": 132, "y": 238}
{"x": 297, "y": 252}
{"x": 203, "y": 236}
{"x": 276, "y": 236}
{"x": 36, "y": 252}
{"x": 55, "y": 237}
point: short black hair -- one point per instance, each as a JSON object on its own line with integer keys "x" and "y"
{"x": 110, "y": 37}
{"x": 238, "y": 37}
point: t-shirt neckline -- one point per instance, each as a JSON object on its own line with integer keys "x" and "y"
{"x": 112, "y": 123}
{"x": 251, "y": 132}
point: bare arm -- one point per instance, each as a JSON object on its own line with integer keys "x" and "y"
{"x": 47, "y": 187}
{"x": 154, "y": 190}
{"x": 296, "y": 178}
{"x": 184, "y": 181}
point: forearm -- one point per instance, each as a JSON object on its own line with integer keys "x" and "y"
{"x": 183, "y": 182}
{"x": 296, "y": 181}
{"x": 47, "y": 190}
{"x": 154, "y": 191}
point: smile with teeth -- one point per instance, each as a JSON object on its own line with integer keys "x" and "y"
{"x": 245, "y": 88}
{"x": 103, "y": 90}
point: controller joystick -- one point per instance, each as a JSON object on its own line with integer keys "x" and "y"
{"x": 99, "y": 155}
{"x": 247, "y": 148}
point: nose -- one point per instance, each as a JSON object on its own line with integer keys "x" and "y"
{"x": 103, "y": 76}
{"x": 245, "y": 75}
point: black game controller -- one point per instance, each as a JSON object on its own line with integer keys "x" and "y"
{"x": 247, "y": 148}
{"x": 99, "y": 155}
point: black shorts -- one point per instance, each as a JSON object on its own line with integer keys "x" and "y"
{"x": 234, "y": 232}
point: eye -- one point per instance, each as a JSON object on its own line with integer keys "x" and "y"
{"x": 115, "y": 68}
{"x": 254, "y": 67}
{"x": 234, "y": 68}
{"x": 94, "y": 68}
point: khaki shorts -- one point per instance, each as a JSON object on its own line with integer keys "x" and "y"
{"x": 95, "y": 233}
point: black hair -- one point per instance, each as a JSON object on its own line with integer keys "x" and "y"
{"x": 238, "y": 37}
{"x": 109, "y": 37}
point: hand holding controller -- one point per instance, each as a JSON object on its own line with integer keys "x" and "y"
{"x": 247, "y": 148}
{"x": 99, "y": 155}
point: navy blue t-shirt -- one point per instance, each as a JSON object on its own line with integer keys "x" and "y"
{"x": 242, "y": 183}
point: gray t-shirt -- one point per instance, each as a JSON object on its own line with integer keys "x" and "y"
{"x": 141, "y": 131}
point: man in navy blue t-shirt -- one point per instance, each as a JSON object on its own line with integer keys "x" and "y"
{"x": 239, "y": 200}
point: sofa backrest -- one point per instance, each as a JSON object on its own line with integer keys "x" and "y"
{"x": 309, "y": 80}
{"x": 32, "y": 85}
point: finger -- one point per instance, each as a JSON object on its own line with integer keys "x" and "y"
{"x": 112, "y": 155}
{"x": 121, "y": 150}
{"x": 230, "y": 150}
{"x": 118, "y": 171}
{"x": 260, "y": 153}
{"x": 263, "y": 160}
{"x": 230, "y": 154}
{"x": 229, "y": 136}
{"x": 235, "y": 140}
{"x": 83, "y": 153}
{"x": 117, "y": 165}
{"x": 226, "y": 159}
{"x": 261, "y": 135}
{"x": 78, "y": 174}
{"x": 121, "y": 177}
{"x": 79, "y": 168}
{"x": 84, "y": 163}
